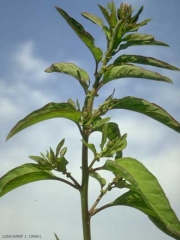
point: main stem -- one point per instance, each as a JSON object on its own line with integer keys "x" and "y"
{"x": 84, "y": 189}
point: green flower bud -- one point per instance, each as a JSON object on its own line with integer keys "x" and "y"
{"x": 124, "y": 11}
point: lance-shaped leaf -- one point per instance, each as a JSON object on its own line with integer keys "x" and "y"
{"x": 144, "y": 60}
{"x": 132, "y": 71}
{"x": 72, "y": 70}
{"x": 106, "y": 14}
{"x": 149, "y": 109}
{"x": 141, "y": 43}
{"x": 23, "y": 174}
{"x": 134, "y": 199}
{"x": 97, "y": 21}
{"x": 113, "y": 15}
{"x": 138, "y": 37}
{"x": 51, "y": 110}
{"x": 93, "y": 18}
{"x": 136, "y": 16}
{"x": 132, "y": 27}
{"x": 101, "y": 180}
{"x": 146, "y": 184}
{"x": 82, "y": 34}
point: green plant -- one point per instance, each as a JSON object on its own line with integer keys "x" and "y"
{"x": 143, "y": 190}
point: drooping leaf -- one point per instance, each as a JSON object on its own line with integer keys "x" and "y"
{"x": 144, "y": 60}
{"x": 23, "y": 174}
{"x": 93, "y": 18}
{"x": 132, "y": 71}
{"x": 82, "y": 34}
{"x": 164, "y": 228}
{"x": 72, "y": 70}
{"x": 149, "y": 109}
{"x": 51, "y": 110}
{"x": 146, "y": 184}
{"x": 101, "y": 180}
{"x": 134, "y": 199}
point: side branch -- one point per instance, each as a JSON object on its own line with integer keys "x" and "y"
{"x": 67, "y": 182}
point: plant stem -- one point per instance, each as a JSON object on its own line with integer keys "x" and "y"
{"x": 84, "y": 189}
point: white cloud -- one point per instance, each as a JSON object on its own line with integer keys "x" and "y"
{"x": 26, "y": 61}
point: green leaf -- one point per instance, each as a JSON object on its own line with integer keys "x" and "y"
{"x": 63, "y": 151}
{"x": 23, "y": 174}
{"x": 93, "y": 18}
{"x": 61, "y": 164}
{"x": 113, "y": 130}
{"x": 137, "y": 37}
{"x": 71, "y": 102}
{"x": 101, "y": 180}
{"x": 104, "y": 135}
{"x": 112, "y": 17}
{"x": 136, "y": 16}
{"x": 72, "y": 70}
{"x": 135, "y": 27}
{"x": 51, "y": 155}
{"x": 59, "y": 146}
{"x": 51, "y": 110}
{"x": 134, "y": 199}
{"x": 56, "y": 237}
{"x": 100, "y": 122}
{"x": 132, "y": 71}
{"x": 146, "y": 184}
{"x": 90, "y": 146}
{"x": 164, "y": 228}
{"x": 115, "y": 146}
{"x": 42, "y": 162}
{"x": 105, "y": 13}
{"x": 99, "y": 22}
{"x": 144, "y": 60}
{"x": 149, "y": 109}
{"x": 82, "y": 34}
{"x": 141, "y": 43}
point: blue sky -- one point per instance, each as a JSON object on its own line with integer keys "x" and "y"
{"x": 33, "y": 36}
